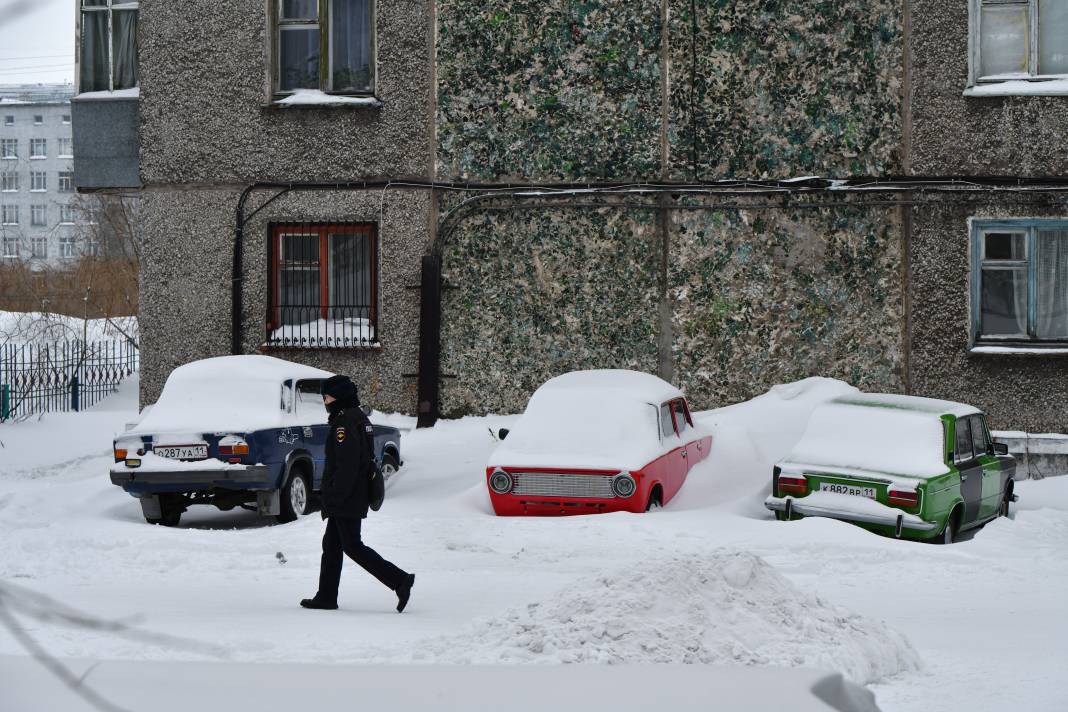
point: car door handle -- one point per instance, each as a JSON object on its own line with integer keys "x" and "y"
{"x": 964, "y": 478}
{"x": 684, "y": 453}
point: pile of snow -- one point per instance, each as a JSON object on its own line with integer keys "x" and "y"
{"x": 749, "y": 438}
{"x": 601, "y": 419}
{"x": 229, "y": 393}
{"x": 35, "y": 327}
{"x": 727, "y": 607}
{"x": 855, "y": 433}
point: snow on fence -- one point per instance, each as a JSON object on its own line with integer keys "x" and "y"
{"x": 62, "y": 375}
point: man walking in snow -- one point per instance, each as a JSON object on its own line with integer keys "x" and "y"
{"x": 345, "y": 497}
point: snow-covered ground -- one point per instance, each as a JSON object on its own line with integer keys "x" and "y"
{"x": 38, "y": 327}
{"x": 709, "y": 579}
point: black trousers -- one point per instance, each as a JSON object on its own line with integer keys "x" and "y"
{"x": 343, "y": 537}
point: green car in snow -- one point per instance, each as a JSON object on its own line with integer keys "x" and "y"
{"x": 903, "y": 466}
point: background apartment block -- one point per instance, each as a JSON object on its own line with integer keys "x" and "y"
{"x": 40, "y": 213}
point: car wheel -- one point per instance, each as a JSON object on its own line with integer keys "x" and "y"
{"x": 949, "y": 532}
{"x": 655, "y": 500}
{"x": 389, "y": 466}
{"x": 171, "y": 513}
{"x": 295, "y": 499}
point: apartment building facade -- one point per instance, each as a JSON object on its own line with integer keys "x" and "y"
{"x": 40, "y": 213}
{"x": 455, "y": 200}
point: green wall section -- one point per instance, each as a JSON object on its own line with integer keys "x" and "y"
{"x": 535, "y": 293}
{"x": 783, "y": 88}
{"x": 555, "y": 90}
{"x": 775, "y": 295}
{"x": 570, "y": 90}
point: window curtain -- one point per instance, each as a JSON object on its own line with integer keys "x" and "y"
{"x": 350, "y": 40}
{"x": 1053, "y": 37}
{"x": 1051, "y": 308}
{"x": 94, "y": 59}
{"x": 124, "y": 48}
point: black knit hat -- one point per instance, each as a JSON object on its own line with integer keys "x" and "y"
{"x": 341, "y": 388}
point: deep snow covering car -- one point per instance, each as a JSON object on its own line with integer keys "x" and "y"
{"x": 596, "y": 441}
{"x": 234, "y": 431}
{"x": 910, "y": 467}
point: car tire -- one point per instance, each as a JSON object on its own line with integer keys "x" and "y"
{"x": 655, "y": 501}
{"x": 295, "y": 498}
{"x": 171, "y": 513}
{"x": 389, "y": 466}
{"x": 949, "y": 531}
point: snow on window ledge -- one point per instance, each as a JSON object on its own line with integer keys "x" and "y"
{"x": 1019, "y": 350}
{"x": 316, "y": 98}
{"x": 133, "y": 93}
{"x": 1020, "y": 87}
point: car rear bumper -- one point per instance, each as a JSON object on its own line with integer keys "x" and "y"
{"x": 243, "y": 477}
{"x": 899, "y": 520}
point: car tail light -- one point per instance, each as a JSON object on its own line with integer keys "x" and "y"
{"x": 793, "y": 484}
{"x": 902, "y": 498}
{"x": 231, "y": 445}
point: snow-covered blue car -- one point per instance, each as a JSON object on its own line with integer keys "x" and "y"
{"x": 234, "y": 431}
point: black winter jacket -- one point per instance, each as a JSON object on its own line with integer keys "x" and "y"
{"x": 349, "y": 451}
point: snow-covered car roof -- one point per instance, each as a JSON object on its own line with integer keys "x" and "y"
{"x": 876, "y": 433}
{"x": 229, "y": 394}
{"x": 604, "y": 419}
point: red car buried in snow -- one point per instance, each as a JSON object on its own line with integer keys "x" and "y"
{"x": 596, "y": 441}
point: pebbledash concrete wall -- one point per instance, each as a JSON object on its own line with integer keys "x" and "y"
{"x": 724, "y": 301}
{"x": 956, "y": 135}
{"x": 207, "y": 130}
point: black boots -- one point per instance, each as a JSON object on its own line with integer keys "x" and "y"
{"x": 404, "y": 591}
{"x": 318, "y": 604}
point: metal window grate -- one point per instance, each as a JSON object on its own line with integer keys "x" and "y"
{"x": 549, "y": 484}
{"x": 323, "y": 287}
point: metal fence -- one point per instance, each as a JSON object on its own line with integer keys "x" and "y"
{"x": 61, "y": 376}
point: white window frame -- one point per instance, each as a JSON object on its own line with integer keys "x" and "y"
{"x": 39, "y": 242}
{"x": 41, "y": 143}
{"x": 60, "y": 143}
{"x": 69, "y": 175}
{"x": 66, "y": 215}
{"x": 38, "y": 119}
{"x": 7, "y": 212}
{"x": 975, "y": 33}
{"x": 66, "y": 119}
{"x": 38, "y": 210}
{"x": 10, "y": 253}
{"x": 9, "y": 178}
{"x": 9, "y": 119}
{"x": 326, "y": 63}
{"x": 9, "y": 142}
{"x": 67, "y": 247}
{"x": 43, "y": 176}
{"x": 109, "y": 7}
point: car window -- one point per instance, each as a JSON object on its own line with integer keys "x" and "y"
{"x": 979, "y": 442}
{"x": 310, "y": 401}
{"x": 964, "y": 440}
{"x": 666, "y": 428}
{"x": 680, "y": 417}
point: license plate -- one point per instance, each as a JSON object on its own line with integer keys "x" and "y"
{"x": 182, "y": 452}
{"x": 868, "y": 492}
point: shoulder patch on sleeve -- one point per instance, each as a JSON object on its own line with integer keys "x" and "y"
{"x": 339, "y": 434}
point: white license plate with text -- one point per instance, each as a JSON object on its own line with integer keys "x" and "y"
{"x": 837, "y": 488}
{"x": 182, "y": 452}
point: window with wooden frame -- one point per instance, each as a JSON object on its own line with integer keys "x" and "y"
{"x": 325, "y": 45}
{"x": 1019, "y": 40}
{"x": 1020, "y": 283}
{"x": 323, "y": 286}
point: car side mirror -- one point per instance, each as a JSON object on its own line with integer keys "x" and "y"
{"x": 366, "y": 409}
{"x": 1001, "y": 449}
{"x": 502, "y": 433}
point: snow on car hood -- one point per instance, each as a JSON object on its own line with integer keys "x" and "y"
{"x": 591, "y": 420}
{"x": 845, "y": 435}
{"x": 229, "y": 394}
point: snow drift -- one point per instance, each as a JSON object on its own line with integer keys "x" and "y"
{"x": 728, "y": 607}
